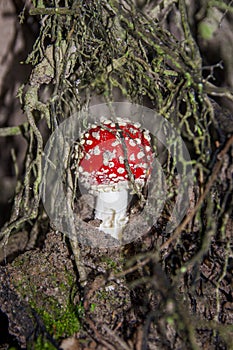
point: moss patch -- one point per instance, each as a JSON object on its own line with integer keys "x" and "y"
{"x": 46, "y": 280}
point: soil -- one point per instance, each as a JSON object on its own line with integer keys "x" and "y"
{"x": 120, "y": 309}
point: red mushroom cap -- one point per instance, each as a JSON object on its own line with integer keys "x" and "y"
{"x": 102, "y": 151}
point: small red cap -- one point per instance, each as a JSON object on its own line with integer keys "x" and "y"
{"x": 103, "y": 150}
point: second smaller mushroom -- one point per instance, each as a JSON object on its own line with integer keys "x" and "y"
{"x": 111, "y": 158}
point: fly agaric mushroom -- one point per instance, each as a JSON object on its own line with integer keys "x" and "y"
{"x": 112, "y": 158}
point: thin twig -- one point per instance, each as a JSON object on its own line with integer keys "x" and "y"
{"x": 52, "y": 11}
{"x": 99, "y": 336}
{"x": 14, "y": 130}
{"x": 212, "y": 179}
{"x": 131, "y": 269}
{"x": 115, "y": 337}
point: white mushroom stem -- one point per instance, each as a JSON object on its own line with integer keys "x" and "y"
{"x": 111, "y": 208}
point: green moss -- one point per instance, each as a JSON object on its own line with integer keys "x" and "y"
{"x": 111, "y": 264}
{"x": 107, "y": 295}
{"x": 62, "y": 323}
{"x": 206, "y": 30}
{"x": 93, "y": 306}
{"x": 53, "y": 304}
{"x": 43, "y": 344}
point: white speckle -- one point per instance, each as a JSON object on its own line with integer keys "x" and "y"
{"x": 132, "y": 143}
{"x": 147, "y": 135}
{"x": 122, "y": 124}
{"x": 97, "y": 151}
{"x": 89, "y": 142}
{"x": 87, "y": 156}
{"x": 107, "y": 122}
{"x": 82, "y": 142}
{"x": 109, "y": 288}
{"x": 80, "y": 169}
{"x": 105, "y": 161}
{"x": 96, "y": 135}
{"x": 87, "y": 135}
{"x": 120, "y": 170}
{"x": 113, "y": 125}
{"x": 148, "y": 148}
{"x": 108, "y": 156}
{"x": 140, "y": 155}
{"x": 115, "y": 143}
{"x": 133, "y": 131}
{"x": 118, "y": 135}
{"x": 112, "y": 175}
{"x": 121, "y": 160}
{"x": 94, "y": 126}
{"x": 132, "y": 157}
{"x": 137, "y": 125}
{"x": 138, "y": 141}
{"x": 111, "y": 164}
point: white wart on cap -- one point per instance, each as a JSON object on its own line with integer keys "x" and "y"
{"x": 110, "y": 157}
{"x": 102, "y": 165}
